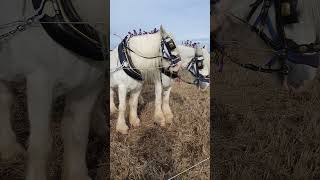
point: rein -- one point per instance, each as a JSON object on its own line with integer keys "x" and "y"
{"x": 249, "y": 66}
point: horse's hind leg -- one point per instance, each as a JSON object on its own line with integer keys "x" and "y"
{"x": 133, "y": 102}
{"x": 76, "y": 125}
{"x": 166, "y": 106}
{"x": 39, "y": 96}
{"x": 8, "y": 144}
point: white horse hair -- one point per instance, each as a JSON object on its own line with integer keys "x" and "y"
{"x": 145, "y": 45}
{"x": 306, "y": 31}
{"x": 163, "y": 113}
{"x": 50, "y": 71}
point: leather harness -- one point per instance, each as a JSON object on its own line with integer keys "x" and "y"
{"x": 81, "y": 39}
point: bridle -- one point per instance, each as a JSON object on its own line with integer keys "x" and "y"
{"x": 284, "y": 48}
{"x": 194, "y": 66}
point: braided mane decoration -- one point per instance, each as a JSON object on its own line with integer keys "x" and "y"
{"x": 135, "y": 33}
{"x": 189, "y": 43}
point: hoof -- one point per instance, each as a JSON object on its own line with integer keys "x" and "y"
{"x": 160, "y": 120}
{"x": 123, "y": 129}
{"x": 169, "y": 118}
{"x": 135, "y": 122}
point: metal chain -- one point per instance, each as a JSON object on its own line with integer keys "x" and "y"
{"x": 20, "y": 28}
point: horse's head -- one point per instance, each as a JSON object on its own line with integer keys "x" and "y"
{"x": 197, "y": 62}
{"x": 169, "y": 41}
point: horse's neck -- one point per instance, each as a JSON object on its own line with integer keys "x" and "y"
{"x": 310, "y": 13}
{"x": 186, "y": 53}
{"x": 146, "y": 45}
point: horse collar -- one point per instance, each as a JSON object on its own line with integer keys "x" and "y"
{"x": 126, "y": 61}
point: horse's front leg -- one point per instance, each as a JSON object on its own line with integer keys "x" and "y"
{"x": 76, "y": 125}
{"x": 8, "y": 144}
{"x": 113, "y": 108}
{"x": 133, "y": 102}
{"x": 158, "y": 114}
{"x": 121, "y": 122}
{"x": 39, "y": 97}
{"x": 166, "y": 106}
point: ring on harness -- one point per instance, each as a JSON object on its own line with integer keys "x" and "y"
{"x": 289, "y": 13}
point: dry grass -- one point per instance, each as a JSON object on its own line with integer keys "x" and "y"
{"x": 146, "y": 153}
{"x": 151, "y": 152}
{"x": 261, "y": 132}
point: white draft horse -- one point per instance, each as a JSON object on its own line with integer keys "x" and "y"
{"x": 295, "y": 36}
{"x": 50, "y": 70}
{"x": 146, "y": 55}
{"x": 194, "y": 60}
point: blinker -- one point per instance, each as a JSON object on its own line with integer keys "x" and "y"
{"x": 289, "y": 13}
{"x": 169, "y": 44}
{"x": 199, "y": 61}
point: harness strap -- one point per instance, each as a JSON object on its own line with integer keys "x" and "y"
{"x": 254, "y": 7}
{"x": 168, "y": 73}
{"x": 126, "y": 62}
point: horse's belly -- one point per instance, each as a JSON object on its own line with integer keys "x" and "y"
{"x": 120, "y": 78}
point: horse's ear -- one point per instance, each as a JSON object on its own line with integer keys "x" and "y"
{"x": 162, "y": 30}
{"x": 199, "y": 52}
{"x": 204, "y": 46}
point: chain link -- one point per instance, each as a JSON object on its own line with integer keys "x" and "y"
{"x": 19, "y": 28}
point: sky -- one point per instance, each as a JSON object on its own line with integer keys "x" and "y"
{"x": 185, "y": 19}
